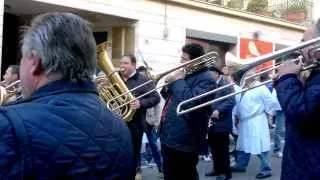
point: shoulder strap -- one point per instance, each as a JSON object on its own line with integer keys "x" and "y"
{"x": 24, "y": 151}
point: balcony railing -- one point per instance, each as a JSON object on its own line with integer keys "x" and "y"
{"x": 295, "y": 11}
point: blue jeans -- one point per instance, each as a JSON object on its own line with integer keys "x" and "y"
{"x": 152, "y": 145}
{"x": 280, "y": 118}
{"x": 244, "y": 158}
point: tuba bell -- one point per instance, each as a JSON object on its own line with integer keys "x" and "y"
{"x": 111, "y": 84}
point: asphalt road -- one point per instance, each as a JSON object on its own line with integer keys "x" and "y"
{"x": 203, "y": 167}
{"x": 151, "y": 173}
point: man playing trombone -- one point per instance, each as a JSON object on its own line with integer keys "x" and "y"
{"x": 301, "y": 104}
{"x": 183, "y": 136}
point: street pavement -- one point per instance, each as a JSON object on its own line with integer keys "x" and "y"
{"x": 203, "y": 167}
{"x": 151, "y": 173}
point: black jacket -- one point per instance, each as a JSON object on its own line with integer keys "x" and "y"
{"x": 224, "y": 123}
{"x": 146, "y": 102}
{"x": 187, "y": 132}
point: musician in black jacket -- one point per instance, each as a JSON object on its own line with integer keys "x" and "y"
{"x": 220, "y": 127}
{"x": 183, "y": 136}
{"x": 132, "y": 79}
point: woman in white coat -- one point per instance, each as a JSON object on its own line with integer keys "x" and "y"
{"x": 253, "y": 130}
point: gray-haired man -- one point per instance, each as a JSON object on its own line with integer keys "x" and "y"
{"x": 61, "y": 130}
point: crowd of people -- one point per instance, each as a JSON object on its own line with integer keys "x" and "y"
{"x": 61, "y": 129}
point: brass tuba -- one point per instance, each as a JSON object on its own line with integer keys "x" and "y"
{"x": 111, "y": 84}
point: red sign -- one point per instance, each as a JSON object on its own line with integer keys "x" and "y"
{"x": 250, "y": 48}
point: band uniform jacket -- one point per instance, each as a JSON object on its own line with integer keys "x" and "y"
{"x": 150, "y": 100}
{"x": 301, "y": 105}
{"x": 224, "y": 123}
{"x": 63, "y": 131}
{"x": 187, "y": 132}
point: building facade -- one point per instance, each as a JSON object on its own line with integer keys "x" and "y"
{"x": 154, "y": 30}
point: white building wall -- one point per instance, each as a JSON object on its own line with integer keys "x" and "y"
{"x": 162, "y": 53}
{"x": 233, "y": 26}
{"x": 316, "y": 10}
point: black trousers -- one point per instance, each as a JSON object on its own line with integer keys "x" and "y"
{"x": 136, "y": 137}
{"x": 219, "y": 145}
{"x": 234, "y": 151}
{"x": 178, "y": 164}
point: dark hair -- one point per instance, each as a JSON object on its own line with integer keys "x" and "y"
{"x": 141, "y": 69}
{"x": 131, "y": 57}
{"x": 236, "y": 77}
{"x": 194, "y": 50}
{"x": 14, "y": 70}
{"x": 264, "y": 77}
{"x": 215, "y": 69}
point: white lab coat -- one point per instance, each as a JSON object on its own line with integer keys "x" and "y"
{"x": 253, "y": 128}
{"x": 274, "y": 94}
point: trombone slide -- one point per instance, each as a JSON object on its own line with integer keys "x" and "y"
{"x": 180, "y": 111}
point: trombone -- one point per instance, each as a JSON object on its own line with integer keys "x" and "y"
{"x": 191, "y": 66}
{"x": 245, "y": 67}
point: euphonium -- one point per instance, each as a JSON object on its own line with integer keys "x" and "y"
{"x": 111, "y": 84}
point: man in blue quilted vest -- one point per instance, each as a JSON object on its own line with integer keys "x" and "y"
{"x": 61, "y": 130}
{"x": 300, "y": 102}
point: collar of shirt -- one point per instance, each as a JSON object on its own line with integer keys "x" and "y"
{"x": 131, "y": 75}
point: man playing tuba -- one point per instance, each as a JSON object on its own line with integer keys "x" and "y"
{"x": 11, "y": 75}
{"x": 137, "y": 125}
{"x": 9, "y": 83}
